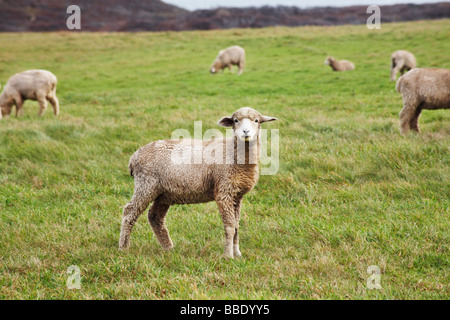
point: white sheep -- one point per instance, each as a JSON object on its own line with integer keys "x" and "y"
{"x": 158, "y": 178}
{"x": 342, "y": 65}
{"x": 402, "y": 61}
{"x": 37, "y": 85}
{"x": 234, "y": 55}
{"x": 422, "y": 88}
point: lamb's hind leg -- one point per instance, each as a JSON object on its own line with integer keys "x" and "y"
{"x": 414, "y": 122}
{"x": 396, "y": 66}
{"x": 144, "y": 193}
{"x": 54, "y": 101}
{"x": 409, "y": 116}
{"x": 156, "y": 218}
{"x": 241, "y": 66}
{"x": 42, "y": 104}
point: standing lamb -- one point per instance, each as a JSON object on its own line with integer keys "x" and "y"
{"x": 402, "y": 61}
{"x": 234, "y": 55}
{"x": 161, "y": 177}
{"x": 342, "y": 65}
{"x": 422, "y": 88}
{"x": 37, "y": 85}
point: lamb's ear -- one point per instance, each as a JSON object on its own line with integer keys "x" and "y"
{"x": 267, "y": 119}
{"x": 225, "y": 122}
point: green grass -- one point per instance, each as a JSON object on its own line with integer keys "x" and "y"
{"x": 350, "y": 192}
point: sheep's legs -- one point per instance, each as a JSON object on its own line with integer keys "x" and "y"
{"x": 414, "y": 122}
{"x": 19, "y": 104}
{"x": 395, "y": 68}
{"x": 54, "y": 102}
{"x": 132, "y": 210}
{"x": 227, "y": 212}
{"x": 43, "y": 105}
{"x": 237, "y": 215}
{"x": 241, "y": 68}
{"x": 156, "y": 218}
{"x": 409, "y": 116}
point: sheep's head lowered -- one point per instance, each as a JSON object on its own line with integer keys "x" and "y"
{"x": 216, "y": 67}
{"x": 329, "y": 60}
{"x": 246, "y": 123}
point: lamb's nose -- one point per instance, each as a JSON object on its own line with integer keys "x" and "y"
{"x": 245, "y": 131}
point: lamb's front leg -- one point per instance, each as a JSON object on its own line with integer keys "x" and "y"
{"x": 226, "y": 209}
{"x": 18, "y": 101}
{"x": 237, "y": 216}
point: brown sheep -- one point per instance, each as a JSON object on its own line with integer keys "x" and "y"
{"x": 161, "y": 178}
{"x": 422, "y": 88}
{"x": 342, "y": 65}
{"x": 37, "y": 85}
{"x": 402, "y": 61}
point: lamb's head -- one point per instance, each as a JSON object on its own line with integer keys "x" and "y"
{"x": 246, "y": 123}
{"x": 6, "y": 104}
{"x": 329, "y": 60}
{"x": 216, "y": 66}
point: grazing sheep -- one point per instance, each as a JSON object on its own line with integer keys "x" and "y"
{"x": 402, "y": 61}
{"x": 158, "y": 178}
{"x": 422, "y": 88}
{"x": 37, "y": 85}
{"x": 342, "y": 65}
{"x": 234, "y": 55}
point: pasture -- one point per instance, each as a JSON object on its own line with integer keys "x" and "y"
{"x": 350, "y": 193}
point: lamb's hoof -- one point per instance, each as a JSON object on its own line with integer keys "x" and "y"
{"x": 168, "y": 247}
{"x": 236, "y": 251}
{"x": 167, "y": 244}
{"x": 228, "y": 255}
{"x": 123, "y": 246}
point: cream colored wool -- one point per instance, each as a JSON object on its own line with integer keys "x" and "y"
{"x": 37, "y": 85}
{"x": 234, "y": 55}
{"x": 402, "y": 61}
{"x": 159, "y": 180}
{"x": 342, "y": 65}
{"x": 422, "y": 88}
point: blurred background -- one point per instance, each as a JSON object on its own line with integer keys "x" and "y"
{"x": 156, "y": 15}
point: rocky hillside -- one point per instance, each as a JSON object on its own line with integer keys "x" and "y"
{"x": 96, "y": 15}
{"x": 155, "y": 15}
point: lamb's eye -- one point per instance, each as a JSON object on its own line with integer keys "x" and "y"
{"x": 236, "y": 120}
{"x": 256, "y": 120}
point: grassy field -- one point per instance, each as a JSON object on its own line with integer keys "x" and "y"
{"x": 350, "y": 192}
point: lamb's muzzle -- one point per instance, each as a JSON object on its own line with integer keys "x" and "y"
{"x": 158, "y": 179}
